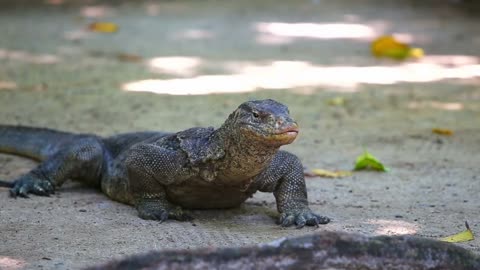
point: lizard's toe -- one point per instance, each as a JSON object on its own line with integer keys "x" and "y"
{"x": 150, "y": 214}
{"x": 41, "y": 189}
{"x": 20, "y": 189}
{"x": 322, "y": 219}
{"x": 157, "y": 210}
{"x": 300, "y": 222}
{"x": 301, "y": 217}
{"x": 314, "y": 219}
{"x": 180, "y": 215}
{"x": 286, "y": 219}
{"x": 30, "y": 185}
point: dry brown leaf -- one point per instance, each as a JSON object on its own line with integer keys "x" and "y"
{"x": 126, "y": 57}
{"x": 442, "y": 131}
{"x": 329, "y": 174}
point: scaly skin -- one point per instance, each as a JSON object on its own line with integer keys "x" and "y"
{"x": 162, "y": 173}
{"x": 324, "y": 250}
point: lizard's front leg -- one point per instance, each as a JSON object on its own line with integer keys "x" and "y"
{"x": 284, "y": 177}
{"x": 150, "y": 169}
{"x": 81, "y": 159}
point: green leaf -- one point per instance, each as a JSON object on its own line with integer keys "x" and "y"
{"x": 368, "y": 161}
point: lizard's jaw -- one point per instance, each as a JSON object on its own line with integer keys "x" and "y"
{"x": 275, "y": 138}
{"x": 284, "y": 136}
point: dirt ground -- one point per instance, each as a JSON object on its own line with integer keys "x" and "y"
{"x": 177, "y": 64}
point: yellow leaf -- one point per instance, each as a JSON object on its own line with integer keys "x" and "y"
{"x": 337, "y": 101}
{"x": 388, "y": 46}
{"x": 464, "y": 236}
{"x": 103, "y": 27}
{"x": 416, "y": 52}
{"x": 331, "y": 174}
{"x": 443, "y": 131}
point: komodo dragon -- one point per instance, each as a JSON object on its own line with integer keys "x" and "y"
{"x": 162, "y": 173}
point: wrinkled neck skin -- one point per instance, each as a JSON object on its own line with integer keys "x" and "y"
{"x": 244, "y": 157}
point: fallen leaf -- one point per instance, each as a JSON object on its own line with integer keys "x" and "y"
{"x": 126, "y": 57}
{"x": 7, "y": 85}
{"x": 330, "y": 174}
{"x": 368, "y": 161}
{"x": 337, "y": 101}
{"x": 388, "y": 46}
{"x": 464, "y": 236}
{"x": 103, "y": 27}
{"x": 443, "y": 131}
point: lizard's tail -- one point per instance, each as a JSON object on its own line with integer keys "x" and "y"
{"x": 35, "y": 143}
{"x": 6, "y": 184}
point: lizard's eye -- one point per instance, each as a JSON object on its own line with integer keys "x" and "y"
{"x": 255, "y": 114}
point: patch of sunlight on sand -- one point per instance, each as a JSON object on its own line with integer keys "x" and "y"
{"x": 448, "y": 106}
{"x": 175, "y": 65}
{"x": 96, "y": 11}
{"x": 248, "y": 77}
{"x": 393, "y": 227}
{"x": 9, "y": 263}
{"x": 317, "y": 30}
{"x": 194, "y": 34}
{"x": 24, "y": 56}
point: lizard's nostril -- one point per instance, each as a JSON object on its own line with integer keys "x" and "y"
{"x": 279, "y": 123}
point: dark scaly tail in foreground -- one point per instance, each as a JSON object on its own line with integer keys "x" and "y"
{"x": 34, "y": 143}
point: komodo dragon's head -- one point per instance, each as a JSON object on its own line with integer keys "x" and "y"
{"x": 264, "y": 121}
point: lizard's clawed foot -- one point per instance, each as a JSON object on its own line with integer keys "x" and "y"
{"x": 155, "y": 210}
{"x": 31, "y": 185}
{"x": 301, "y": 217}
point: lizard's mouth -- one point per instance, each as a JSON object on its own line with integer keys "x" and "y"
{"x": 276, "y": 137}
{"x": 285, "y": 135}
{"x": 292, "y": 130}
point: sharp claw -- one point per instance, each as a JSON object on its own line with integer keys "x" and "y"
{"x": 47, "y": 186}
{"x": 38, "y": 190}
{"x": 288, "y": 221}
{"x": 282, "y": 217}
{"x": 163, "y": 216}
{"x": 301, "y": 225}
{"x": 322, "y": 219}
{"x": 301, "y": 221}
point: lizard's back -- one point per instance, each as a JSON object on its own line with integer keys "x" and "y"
{"x": 119, "y": 143}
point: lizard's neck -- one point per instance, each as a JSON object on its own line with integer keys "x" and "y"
{"x": 244, "y": 158}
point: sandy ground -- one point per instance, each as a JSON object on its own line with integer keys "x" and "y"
{"x": 55, "y": 74}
